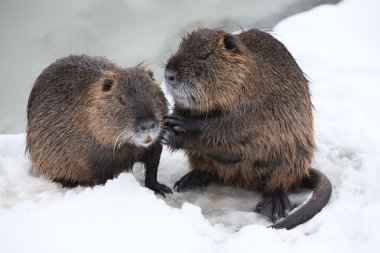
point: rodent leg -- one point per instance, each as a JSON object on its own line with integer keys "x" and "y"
{"x": 275, "y": 205}
{"x": 190, "y": 141}
{"x": 191, "y": 180}
{"x": 178, "y": 140}
{"x": 151, "y": 160}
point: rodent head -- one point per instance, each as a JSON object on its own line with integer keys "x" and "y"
{"x": 125, "y": 106}
{"x": 209, "y": 71}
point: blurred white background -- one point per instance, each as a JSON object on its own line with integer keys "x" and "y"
{"x": 35, "y": 33}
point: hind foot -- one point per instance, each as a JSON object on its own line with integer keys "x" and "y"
{"x": 191, "y": 180}
{"x": 275, "y": 205}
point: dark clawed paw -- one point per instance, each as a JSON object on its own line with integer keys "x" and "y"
{"x": 175, "y": 122}
{"x": 166, "y": 136}
{"x": 274, "y": 205}
{"x": 183, "y": 124}
{"x": 159, "y": 188}
{"x": 192, "y": 180}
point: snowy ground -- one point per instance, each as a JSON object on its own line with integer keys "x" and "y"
{"x": 337, "y": 46}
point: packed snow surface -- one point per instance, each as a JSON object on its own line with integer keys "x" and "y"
{"x": 337, "y": 47}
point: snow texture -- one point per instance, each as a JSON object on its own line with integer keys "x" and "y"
{"x": 337, "y": 47}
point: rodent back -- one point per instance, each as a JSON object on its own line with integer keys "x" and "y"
{"x": 61, "y": 86}
{"x": 252, "y": 79}
{"x": 94, "y": 95}
{"x": 222, "y": 71}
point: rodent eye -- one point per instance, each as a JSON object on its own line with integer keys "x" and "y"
{"x": 205, "y": 56}
{"x": 107, "y": 84}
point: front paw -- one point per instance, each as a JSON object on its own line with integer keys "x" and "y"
{"x": 167, "y": 136}
{"x": 182, "y": 124}
{"x": 158, "y": 188}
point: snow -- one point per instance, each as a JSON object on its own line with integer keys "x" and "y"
{"x": 337, "y": 47}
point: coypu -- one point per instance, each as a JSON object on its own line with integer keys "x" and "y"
{"x": 243, "y": 116}
{"x": 88, "y": 120}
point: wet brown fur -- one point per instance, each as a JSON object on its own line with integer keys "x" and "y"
{"x": 255, "y": 104}
{"x": 76, "y": 132}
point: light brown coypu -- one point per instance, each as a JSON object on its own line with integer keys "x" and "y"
{"x": 243, "y": 115}
{"x": 89, "y": 120}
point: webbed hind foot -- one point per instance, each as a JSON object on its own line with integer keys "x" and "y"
{"x": 275, "y": 205}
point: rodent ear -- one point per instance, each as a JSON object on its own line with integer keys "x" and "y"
{"x": 229, "y": 42}
{"x": 107, "y": 80}
{"x": 107, "y": 84}
{"x": 145, "y": 67}
{"x": 150, "y": 73}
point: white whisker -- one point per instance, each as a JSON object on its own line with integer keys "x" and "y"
{"x": 122, "y": 138}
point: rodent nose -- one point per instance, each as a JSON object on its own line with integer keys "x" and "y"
{"x": 171, "y": 76}
{"x": 148, "y": 125}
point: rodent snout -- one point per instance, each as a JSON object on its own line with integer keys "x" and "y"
{"x": 171, "y": 76}
{"x": 146, "y": 132}
{"x": 147, "y": 126}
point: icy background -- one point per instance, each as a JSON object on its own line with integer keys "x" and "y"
{"x": 35, "y": 33}
{"x": 338, "y": 48}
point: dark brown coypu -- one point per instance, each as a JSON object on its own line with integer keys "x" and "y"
{"x": 243, "y": 115}
{"x": 89, "y": 120}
